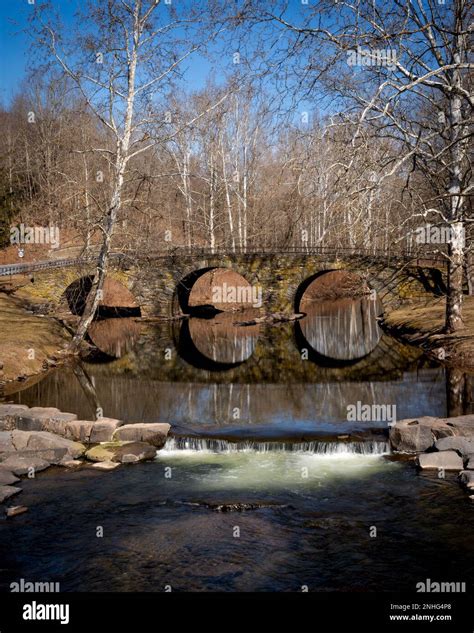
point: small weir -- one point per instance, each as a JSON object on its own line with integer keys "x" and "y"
{"x": 210, "y": 445}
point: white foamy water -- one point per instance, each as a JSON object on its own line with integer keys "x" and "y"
{"x": 211, "y": 464}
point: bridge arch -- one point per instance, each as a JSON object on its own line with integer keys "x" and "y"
{"x": 330, "y": 284}
{"x": 212, "y": 289}
{"x": 117, "y": 300}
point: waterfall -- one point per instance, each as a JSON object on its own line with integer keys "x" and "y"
{"x": 371, "y": 447}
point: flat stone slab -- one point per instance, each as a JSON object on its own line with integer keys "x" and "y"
{"x": 123, "y": 452}
{"x": 79, "y": 430}
{"x": 93, "y": 432}
{"x": 9, "y": 414}
{"x": 70, "y": 463}
{"x": 153, "y": 433}
{"x": 11, "y": 409}
{"x": 447, "y": 460}
{"x": 461, "y": 424}
{"x": 44, "y": 419}
{"x": 467, "y": 478}
{"x": 6, "y": 442}
{"x": 7, "y": 477}
{"x": 16, "y": 510}
{"x": 105, "y": 465}
{"x": 8, "y": 491}
{"x": 51, "y": 455}
{"x": 103, "y": 430}
{"x": 463, "y": 445}
{"x": 41, "y": 440}
{"x": 22, "y": 465}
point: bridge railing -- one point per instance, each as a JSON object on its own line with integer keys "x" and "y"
{"x": 434, "y": 256}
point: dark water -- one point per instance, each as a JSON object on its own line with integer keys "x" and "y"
{"x": 261, "y": 514}
{"x": 159, "y": 531}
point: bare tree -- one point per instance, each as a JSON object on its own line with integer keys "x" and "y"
{"x": 130, "y": 53}
{"x": 385, "y": 66}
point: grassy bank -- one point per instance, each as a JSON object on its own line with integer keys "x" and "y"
{"x": 29, "y": 344}
{"x": 422, "y": 325}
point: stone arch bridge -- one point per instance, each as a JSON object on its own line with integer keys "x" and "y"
{"x": 157, "y": 282}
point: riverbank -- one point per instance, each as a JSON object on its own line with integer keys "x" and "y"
{"x": 34, "y": 439}
{"x": 31, "y": 344}
{"x": 421, "y": 324}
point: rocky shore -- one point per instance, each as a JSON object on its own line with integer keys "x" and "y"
{"x": 33, "y": 439}
{"x": 440, "y": 444}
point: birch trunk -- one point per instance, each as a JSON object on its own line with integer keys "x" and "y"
{"x": 123, "y": 143}
{"x": 456, "y": 244}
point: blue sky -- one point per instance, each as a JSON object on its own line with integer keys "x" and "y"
{"x": 14, "y": 47}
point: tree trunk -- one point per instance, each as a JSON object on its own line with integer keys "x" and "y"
{"x": 456, "y": 244}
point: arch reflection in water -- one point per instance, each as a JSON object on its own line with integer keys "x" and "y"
{"x": 342, "y": 330}
{"x": 217, "y": 343}
{"x": 114, "y": 337}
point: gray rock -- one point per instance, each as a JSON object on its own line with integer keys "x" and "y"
{"x": 447, "y": 460}
{"x": 470, "y": 462}
{"x": 6, "y": 443}
{"x": 412, "y": 435}
{"x": 91, "y": 432}
{"x": 57, "y": 423}
{"x": 51, "y": 455}
{"x": 79, "y": 430}
{"x": 103, "y": 430}
{"x": 16, "y": 510}
{"x": 467, "y": 478}
{"x": 11, "y": 409}
{"x": 154, "y": 433}
{"x": 105, "y": 465}
{"x": 462, "y": 425}
{"x": 44, "y": 419}
{"x": 41, "y": 440}
{"x": 22, "y": 465}
{"x": 463, "y": 445}
{"x": 9, "y": 414}
{"x": 116, "y": 451}
{"x": 8, "y": 491}
{"x": 7, "y": 477}
{"x": 70, "y": 463}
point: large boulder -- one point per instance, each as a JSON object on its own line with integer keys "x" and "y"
{"x": 6, "y": 442}
{"x": 90, "y": 432}
{"x": 104, "y": 429}
{"x": 154, "y": 433}
{"x": 79, "y": 430}
{"x": 461, "y": 425}
{"x": 40, "y": 440}
{"x": 7, "y": 477}
{"x": 50, "y": 455}
{"x": 463, "y": 445}
{"x": 447, "y": 460}
{"x": 44, "y": 419}
{"x": 9, "y": 414}
{"x": 412, "y": 435}
{"x": 123, "y": 452}
{"x": 20, "y": 464}
{"x": 467, "y": 478}
{"x": 8, "y": 491}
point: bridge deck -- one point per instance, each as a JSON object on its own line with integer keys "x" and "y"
{"x": 424, "y": 259}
